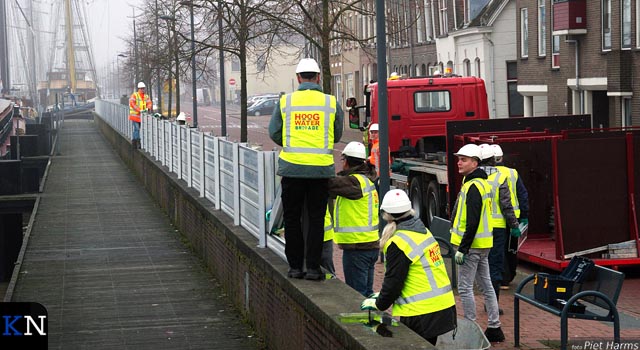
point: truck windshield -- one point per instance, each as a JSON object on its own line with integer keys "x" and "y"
{"x": 432, "y": 101}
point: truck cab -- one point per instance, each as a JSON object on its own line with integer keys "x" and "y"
{"x": 419, "y": 108}
{"x": 418, "y": 112}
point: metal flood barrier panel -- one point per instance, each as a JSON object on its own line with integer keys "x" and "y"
{"x": 236, "y": 179}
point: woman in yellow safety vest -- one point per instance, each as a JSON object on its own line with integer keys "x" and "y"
{"x": 415, "y": 280}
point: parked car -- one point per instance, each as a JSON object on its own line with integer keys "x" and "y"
{"x": 254, "y": 99}
{"x": 262, "y": 107}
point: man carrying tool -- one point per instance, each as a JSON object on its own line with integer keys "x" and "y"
{"x": 415, "y": 280}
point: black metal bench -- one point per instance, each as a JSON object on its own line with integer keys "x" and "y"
{"x": 600, "y": 290}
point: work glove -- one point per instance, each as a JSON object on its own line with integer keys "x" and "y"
{"x": 524, "y": 221}
{"x": 368, "y": 304}
{"x": 515, "y": 232}
{"x": 374, "y": 295}
{"x": 459, "y": 258}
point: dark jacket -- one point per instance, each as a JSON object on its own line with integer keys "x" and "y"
{"x": 474, "y": 209}
{"x": 287, "y": 169}
{"x": 523, "y": 199}
{"x": 348, "y": 187}
{"x": 396, "y": 270}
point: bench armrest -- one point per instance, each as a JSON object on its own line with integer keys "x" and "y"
{"x": 613, "y": 310}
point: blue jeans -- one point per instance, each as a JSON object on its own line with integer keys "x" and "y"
{"x": 476, "y": 268}
{"x": 496, "y": 255}
{"x": 136, "y": 131}
{"x": 358, "y": 267}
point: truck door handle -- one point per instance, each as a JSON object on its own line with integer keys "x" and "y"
{"x": 395, "y": 117}
{"x": 470, "y": 113}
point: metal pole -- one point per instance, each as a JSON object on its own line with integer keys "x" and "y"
{"x": 382, "y": 97}
{"x": 223, "y": 97}
{"x": 135, "y": 48}
{"x": 193, "y": 72}
{"x": 159, "y": 98}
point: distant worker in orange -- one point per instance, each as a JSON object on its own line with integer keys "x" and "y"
{"x": 374, "y": 140}
{"x": 138, "y": 102}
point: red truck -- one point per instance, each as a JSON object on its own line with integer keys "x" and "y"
{"x": 563, "y": 163}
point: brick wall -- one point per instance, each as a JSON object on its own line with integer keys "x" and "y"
{"x": 285, "y": 313}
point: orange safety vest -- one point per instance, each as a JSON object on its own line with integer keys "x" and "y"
{"x": 138, "y": 102}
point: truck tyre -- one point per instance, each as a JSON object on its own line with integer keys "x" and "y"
{"x": 432, "y": 202}
{"x": 416, "y": 196}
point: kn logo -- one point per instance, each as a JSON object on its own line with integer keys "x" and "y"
{"x": 23, "y": 324}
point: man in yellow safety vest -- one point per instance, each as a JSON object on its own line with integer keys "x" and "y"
{"x": 472, "y": 236}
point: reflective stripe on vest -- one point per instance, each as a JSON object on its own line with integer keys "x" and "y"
{"x": 328, "y": 226}
{"x": 356, "y": 221}
{"x": 512, "y": 180}
{"x": 497, "y": 217}
{"x": 427, "y": 287}
{"x": 307, "y": 128}
{"x": 484, "y": 234}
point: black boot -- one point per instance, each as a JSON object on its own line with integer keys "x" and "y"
{"x": 494, "y": 335}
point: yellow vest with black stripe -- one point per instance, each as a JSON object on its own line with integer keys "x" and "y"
{"x": 512, "y": 180}
{"x": 328, "y": 226}
{"x": 356, "y": 221}
{"x": 495, "y": 180}
{"x": 307, "y": 128}
{"x": 484, "y": 234}
{"x": 427, "y": 287}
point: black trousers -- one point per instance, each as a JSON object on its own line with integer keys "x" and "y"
{"x": 295, "y": 193}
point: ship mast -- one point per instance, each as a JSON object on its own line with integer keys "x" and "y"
{"x": 71, "y": 60}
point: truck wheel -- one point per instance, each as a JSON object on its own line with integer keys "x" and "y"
{"x": 432, "y": 202}
{"x": 415, "y": 193}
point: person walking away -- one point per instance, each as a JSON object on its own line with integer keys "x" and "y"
{"x": 471, "y": 236}
{"x": 502, "y": 217}
{"x": 415, "y": 279}
{"x": 355, "y": 218}
{"x": 520, "y": 204}
{"x": 326, "y": 259}
{"x": 138, "y": 102}
{"x": 306, "y": 123}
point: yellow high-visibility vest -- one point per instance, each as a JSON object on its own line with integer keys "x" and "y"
{"x": 356, "y": 221}
{"x": 497, "y": 217}
{"x": 427, "y": 287}
{"x": 307, "y": 128}
{"x": 328, "y": 226}
{"x": 512, "y": 180}
{"x": 484, "y": 234}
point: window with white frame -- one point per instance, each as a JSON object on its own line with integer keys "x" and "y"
{"x": 516, "y": 101}
{"x": 478, "y": 67}
{"x": 420, "y": 30}
{"x": 428, "y": 19}
{"x": 542, "y": 28}
{"x": 626, "y": 23}
{"x": 467, "y": 67}
{"x": 606, "y": 24}
{"x": 524, "y": 32}
{"x": 444, "y": 21}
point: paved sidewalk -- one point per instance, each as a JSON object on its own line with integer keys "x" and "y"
{"x": 537, "y": 326}
{"x": 109, "y": 267}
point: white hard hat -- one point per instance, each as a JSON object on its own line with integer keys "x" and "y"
{"x": 469, "y": 150}
{"x": 308, "y": 65}
{"x": 497, "y": 150}
{"x": 396, "y": 202}
{"x": 181, "y": 116}
{"x": 486, "y": 151}
{"x": 141, "y": 85}
{"x": 355, "y": 149}
{"x": 374, "y": 127}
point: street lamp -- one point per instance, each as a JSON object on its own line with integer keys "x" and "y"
{"x": 159, "y": 82}
{"x": 223, "y": 97}
{"x": 171, "y": 19}
{"x": 193, "y": 65}
{"x": 120, "y": 55}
